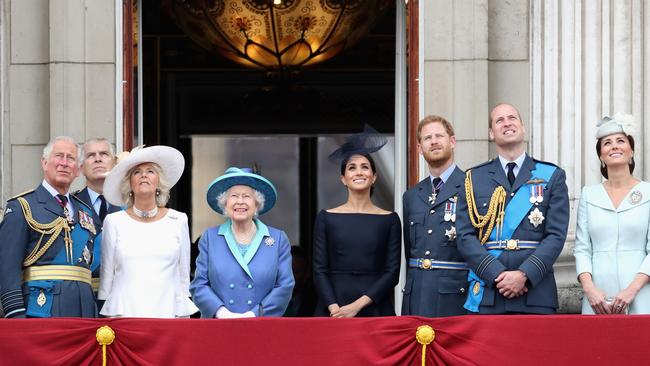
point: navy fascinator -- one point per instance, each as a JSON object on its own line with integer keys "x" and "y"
{"x": 363, "y": 143}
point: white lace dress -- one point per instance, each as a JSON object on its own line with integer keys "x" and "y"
{"x": 145, "y": 267}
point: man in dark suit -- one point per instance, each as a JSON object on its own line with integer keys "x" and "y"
{"x": 512, "y": 225}
{"x": 98, "y": 160}
{"x": 436, "y": 280}
{"x": 47, "y": 241}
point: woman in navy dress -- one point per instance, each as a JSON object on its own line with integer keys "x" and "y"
{"x": 357, "y": 245}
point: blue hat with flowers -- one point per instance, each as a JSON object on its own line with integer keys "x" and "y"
{"x": 618, "y": 123}
{"x": 241, "y": 176}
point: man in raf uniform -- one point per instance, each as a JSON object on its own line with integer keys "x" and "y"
{"x": 512, "y": 224}
{"x": 47, "y": 242}
{"x": 98, "y": 160}
{"x": 436, "y": 280}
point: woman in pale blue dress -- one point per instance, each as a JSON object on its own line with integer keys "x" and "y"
{"x": 612, "y": 236}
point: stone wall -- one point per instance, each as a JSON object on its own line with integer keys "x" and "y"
{"x": 58, "y": 78}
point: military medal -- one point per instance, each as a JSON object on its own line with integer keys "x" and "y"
{"x": 635, "y": 197}
{"x": 447, "y": 216}
{"x": 41, "y": 299}
{"x": 432, "y": 198}
{"x": 451, "y": 233}
{"x": 536, "y": 217}
{"x": 269, "y": 241}
{"x": 86, "y": 222}
{"x": 86, "y": 255}
{"x": 536, "y": 193}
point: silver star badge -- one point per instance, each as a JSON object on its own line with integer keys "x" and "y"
{"x": 451, "y": 233}
{"x": 269, "y": 241}
{"x": 536, "y": 217}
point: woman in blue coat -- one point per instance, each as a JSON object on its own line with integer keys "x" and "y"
{"x": 244, "y": 267}
{"x": 613, "y": 232}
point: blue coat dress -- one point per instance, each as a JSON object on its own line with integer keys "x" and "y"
{"x": 429, "y": 234}
{"x": 63, "y": 298}
{"x": 261, "y": 281}
{"x": 613, "y": 244}
{"x": 536, "y": 263}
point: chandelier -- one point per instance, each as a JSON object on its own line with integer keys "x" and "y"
{"x": 276, "y": 34}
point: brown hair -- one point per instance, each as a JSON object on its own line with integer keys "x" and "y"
{"x": 603, "y": 168}
{"x": 433, "y": 119}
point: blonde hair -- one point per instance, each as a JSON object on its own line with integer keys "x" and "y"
{"x": 162, "y": 192}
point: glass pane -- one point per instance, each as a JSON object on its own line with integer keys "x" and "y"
{"x": 332, "y": 193}
{"x": 277, "y": 157}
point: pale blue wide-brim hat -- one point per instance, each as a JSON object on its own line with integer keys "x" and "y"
{"x": 245, "y": 177}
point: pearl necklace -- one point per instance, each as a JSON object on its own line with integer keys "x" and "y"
{"x": 145, "y": 214}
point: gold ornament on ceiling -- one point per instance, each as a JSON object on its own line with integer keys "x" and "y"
{"x": 276, "y": 34}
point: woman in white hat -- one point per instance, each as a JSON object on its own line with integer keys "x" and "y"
{"x": 612, "y": 237}
{"x": 145, "y": 264}
{"x": 244, "y": 267}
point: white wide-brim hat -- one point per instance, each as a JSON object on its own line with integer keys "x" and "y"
{"x": 170, "y": 160}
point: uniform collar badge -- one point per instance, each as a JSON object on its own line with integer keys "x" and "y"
{"x": 269, "y": 241}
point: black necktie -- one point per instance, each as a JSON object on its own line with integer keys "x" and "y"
{"x": 103, "y": 207}
{"x": 511, "y": 172}
{"x": 436, "y": 185}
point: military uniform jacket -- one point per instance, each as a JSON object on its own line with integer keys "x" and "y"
{"x": 536, "y": 263}
{"x": 84, "y": 196}
{"x": 437, "y": 292}
{"x": 66, "y": 298}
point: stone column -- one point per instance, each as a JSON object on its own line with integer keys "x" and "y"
{"x": 588, "y": 59}
{"x": 455, "y": 73}
{"x": 58, "y": 79}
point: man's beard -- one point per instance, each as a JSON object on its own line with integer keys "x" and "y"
{"x": 437, "y": 161}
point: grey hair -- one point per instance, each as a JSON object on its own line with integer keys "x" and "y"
{"x": 96, "y": 140}
{"x": 162, "y": 192}
{"x": 259, "y": 201}
{"x": 47, "y": 150}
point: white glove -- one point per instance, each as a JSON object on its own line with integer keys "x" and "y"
{"x": 223, "y": 313}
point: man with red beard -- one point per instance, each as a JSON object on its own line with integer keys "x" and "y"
{"x": 512, "y": 224}
{"x": 436, "y": 280}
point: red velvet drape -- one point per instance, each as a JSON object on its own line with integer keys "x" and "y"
{"x": 468, "y": 340}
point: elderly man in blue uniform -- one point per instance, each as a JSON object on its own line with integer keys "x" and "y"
{"x": 47, "y": 241}
{"x": 512, "y": 224}
{"x": 98, "y": 159}
{"x": 436, "y": 280}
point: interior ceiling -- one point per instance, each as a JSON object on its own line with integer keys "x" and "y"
{"x": 211, "y": 94}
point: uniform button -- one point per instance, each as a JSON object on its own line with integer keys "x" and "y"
{"x": 249, "y": 302}
{"x": 484, "y": 204}
{"x": 232, "y": 285}
{"x": 512, "y": 194}
{"x": 432, "y": 211}
{"x": 427, "y": 252}
{"x": 231, "y": 301}
{"x": 429, "y": 231}
{"x": 462, "y": 290}
{"x": 411, "y": 223}
{"x": 249, "y": 286}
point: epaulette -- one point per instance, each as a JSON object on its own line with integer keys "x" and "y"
{"x": 21, "y": 194}
{"x": 544, "y": 162}
{"x": 73, "y": 195}
{"x": 482, "y": 164}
